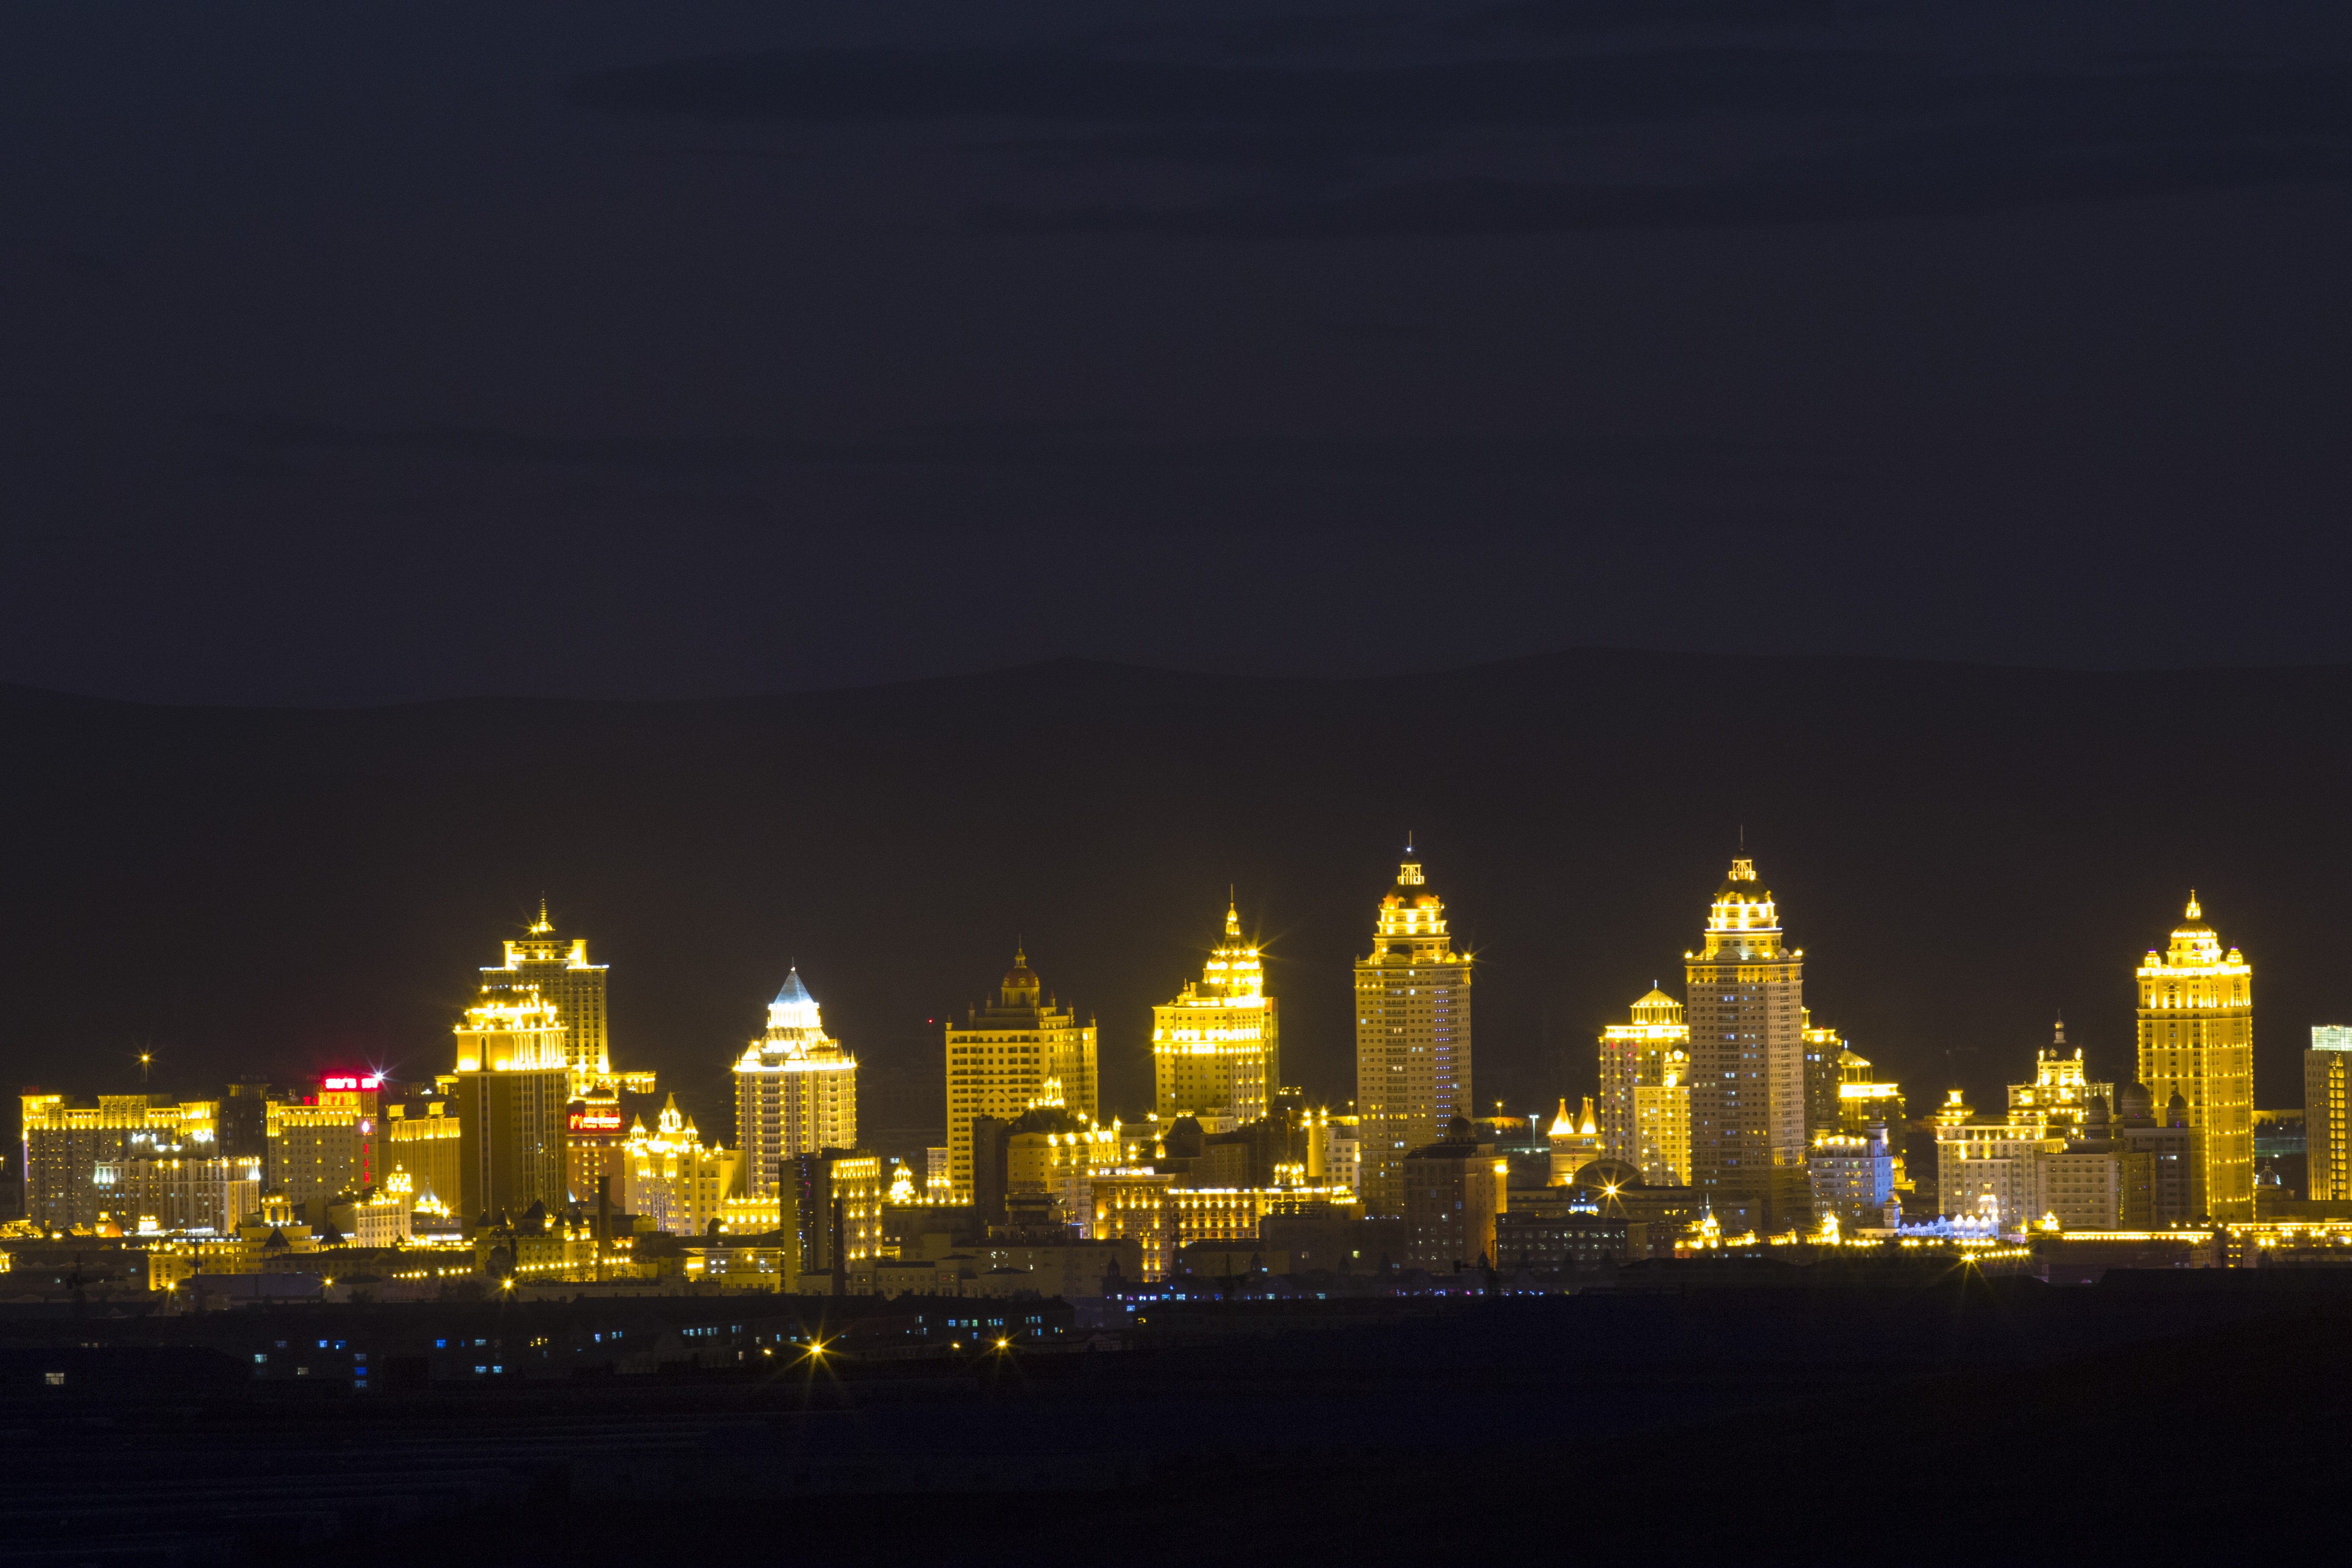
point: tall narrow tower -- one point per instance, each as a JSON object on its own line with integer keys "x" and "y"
{"x": 558, "y": 968}
{"x": 1213, "y": 1049}
{"x": 2197, "y": 1040}
{"x": 1746, "y": 1010}
{"x": 795, "y": 1090}
{"x": 1412, "y": 1038}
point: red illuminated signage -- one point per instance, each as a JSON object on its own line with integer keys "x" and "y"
{"x": 353, "y": 1082}
{"x": 595, "y": 1121}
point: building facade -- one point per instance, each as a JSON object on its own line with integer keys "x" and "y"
{"x": 1746, "y": 1008}
{"x": 1019, "y": 1051}
{"x": 1651, "y": 1051}
{"x": 1215, "y": 1049}
{"x": 325, "y": 1144}
{"x": 1853, "y": 1177}
{"x": 668, "y": 1177}
{"x": 510, "y": 1093}
{"x": 795, "y": 1090}
{"x": 1453, "y": 1191}
{"x": 180, "y": 1195}
{"x": 556, "y": 969}
{"x": 64, "y": 1144}
{"x": 1412, "y": 1038}
{"x": 2197, "y": 1040}
{"x": 2326, "y": 1132}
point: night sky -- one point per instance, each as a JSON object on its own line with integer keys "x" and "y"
{"x": 394, "y": 351}
{"x": 380, "y": 352}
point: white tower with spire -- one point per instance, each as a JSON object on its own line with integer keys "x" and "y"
{"x": 1214, "y": 1050}
{"x": 795, "y": 1090}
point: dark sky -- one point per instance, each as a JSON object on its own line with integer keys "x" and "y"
{"x": 401, "y": 350}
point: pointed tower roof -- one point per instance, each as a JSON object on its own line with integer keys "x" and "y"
{"x": 793, "y": 992}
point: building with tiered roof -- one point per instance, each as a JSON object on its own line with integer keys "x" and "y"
{"x": 1745, "y": 990}
{"x": 795, "y": 1090}
{"x": 1014, "y": 1053}
{"x": 1412, "y": 1038}
{"x": 2197, "y": 1040}
{"x": 1214, "y": 1049}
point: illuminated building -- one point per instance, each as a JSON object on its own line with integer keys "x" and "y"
{"x": 832, "y": 1200}
{"x": 668, "y": 1177}
{"x": 1862, "y": 1100}
{"x": 1213, "y": 1049}
{"x": 594, "y": 1139}
{"x": 2157, "y": 1155}
{"x": 1132, "y": 1205}
{"x": 325, "y": 1143}
{"x": 63, "y": 1145}
{"x": 1545, "y": 1234}
{"x": 1853, "y": 1177}
{"x": 2197, "y": 1040}
{"x": 2082, "y": 1178}
{"x": 179, "y": 1193}
{"x": 1573, "y": 1145}
{"x": 1062, "y": 1161}
{"x": 509, "y": 1092}
{"x": 379, "y": 1216}
{"x": 795, "y": 1090}
{"x": 2326, "y": 1132}
{"x": 1453, "y": 1189}
{"x": 1822, "y": 1075}
{"x": 1987, "y": 1170}
{"x": 2060, "y": 1097}
{"x": 1014, "y": 1053}
{"x": 939, "y": 1176}
{"x": 1163, "y": 1215}
{"x": 422, "y": 1143}
{"x": 557, "y": 970}
{"x": 1746, "y": 1011}
{"x": 1412, "y": 1038}
{"x": 1653, "y": 1051}
{"x": 1341, "y": 1153}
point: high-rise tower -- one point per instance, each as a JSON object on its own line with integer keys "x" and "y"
{"x": 1412, "y": 1037}
{"x": 795, "y": 1090}
{"x": 2197, "y": 1040}
{"x": 1746, "y": 1008}
{"x": 1653, "y": 1051}
{"x": 557, "y": 968}
{"x": 1214, "y": 1047}
{"x": 1017, "y": 1052}
{"x": 2326, "y": 1127}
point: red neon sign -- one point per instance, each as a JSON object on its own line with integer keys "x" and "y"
{"x": 595, "y": 1121}
{"x": 353, "y": 1082}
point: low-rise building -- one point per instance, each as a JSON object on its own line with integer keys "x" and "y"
{"x": 1453, "y": 1189}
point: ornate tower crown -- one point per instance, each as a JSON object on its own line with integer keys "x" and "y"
{"x": 1743, "y": 870}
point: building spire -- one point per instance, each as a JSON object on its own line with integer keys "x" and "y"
{"x": 1232, "y": 915}
{"x": 541, "y": 927}
{"x": 2194, "y": 912}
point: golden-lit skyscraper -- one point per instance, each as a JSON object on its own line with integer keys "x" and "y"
{"x": 2327, "y": 1129}
{"x": 509, "y": 1094}
{"x": 1018, "y": 1051}
{"x": 795, "y": 1090}
{"x": 1747, "y": 1016}
{"x": 558, "y": 970}
{"x": 1412, "y": 1038}
{"x": 1213, "y": 1049}
{"x": 1653, "y": 1051}
{"x": 2197, "y": 1040}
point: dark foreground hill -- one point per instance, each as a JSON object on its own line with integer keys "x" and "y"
{"x": 1961, "y": 852}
